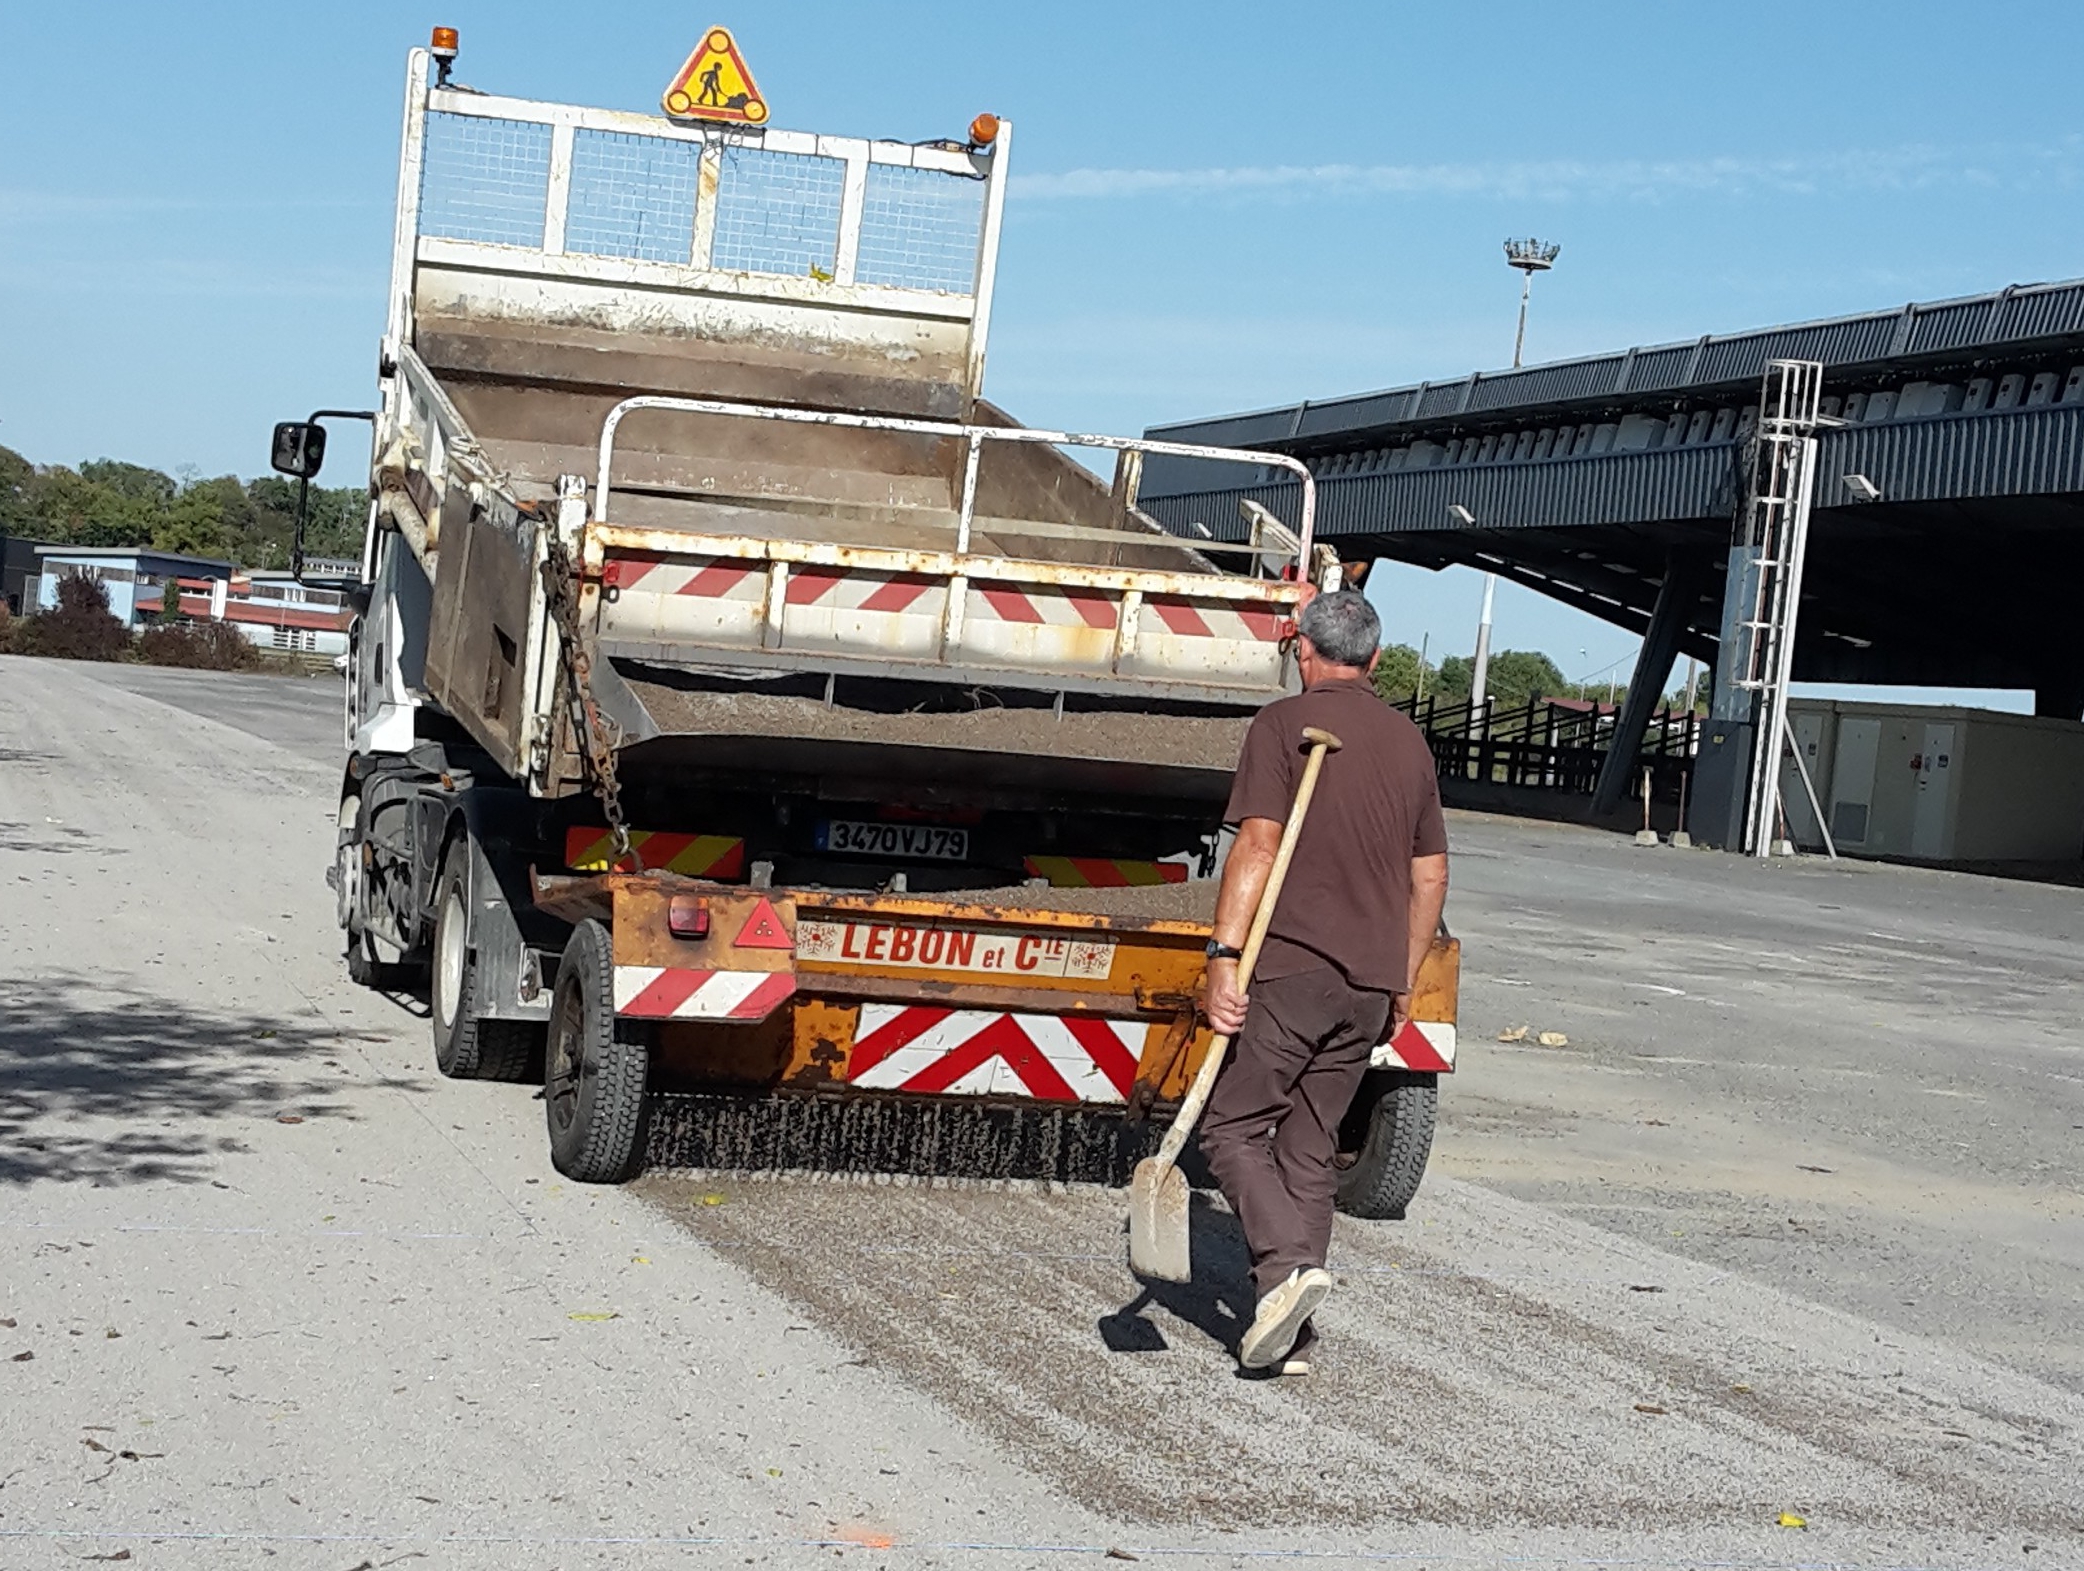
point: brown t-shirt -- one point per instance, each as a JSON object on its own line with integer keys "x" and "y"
{"x": 1347, "y": 901}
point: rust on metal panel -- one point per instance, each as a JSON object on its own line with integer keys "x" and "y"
{"x": 1071, "y": 999}
{"x": 1434, "y": 998}
{"x": 1437, "y": 994}
{"x": 751, "y": 1055}
{"x": 571, "y": 899}
{"x": 1160, "y": 1072}
{"x": 1008, "y": 914}
{"x": 472, "y": 259}
{"x": 823, "y": 1032}
{"x": 736, "y": 917}
{"x": 602, "y": 538}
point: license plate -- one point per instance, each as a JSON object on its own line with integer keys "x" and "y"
{"x": 926, "y": 842}
{"x": 931, "y": 946}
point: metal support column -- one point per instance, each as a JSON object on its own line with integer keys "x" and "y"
{"x": 1685, "y": 574}
{"x": 2059, "y": 696}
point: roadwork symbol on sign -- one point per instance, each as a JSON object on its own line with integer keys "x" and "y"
{"x": 715, "y": 84}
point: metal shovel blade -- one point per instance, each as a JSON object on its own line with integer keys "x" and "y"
{"x": 1158, "y": 1241}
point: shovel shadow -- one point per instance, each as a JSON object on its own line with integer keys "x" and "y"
{"x": 1218, "y": 1302}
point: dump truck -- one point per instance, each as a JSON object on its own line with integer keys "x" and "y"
{"x": 741, "y": 704}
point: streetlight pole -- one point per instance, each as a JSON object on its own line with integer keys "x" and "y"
{"x": 1480, "y": 680}
{"x": 1528, "y": 257}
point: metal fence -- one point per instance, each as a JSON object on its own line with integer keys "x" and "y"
{"x": 781, "y": 206}
{"x": 1550, "y": 744}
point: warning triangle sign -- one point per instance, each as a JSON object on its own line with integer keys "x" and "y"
{"x": 763, "y": 929}
{"x": 715, "y": 84}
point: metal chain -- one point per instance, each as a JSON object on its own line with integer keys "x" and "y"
{"x": 560, "y": 584}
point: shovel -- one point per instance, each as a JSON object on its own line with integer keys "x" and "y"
{"x": 1158, "y": 1193}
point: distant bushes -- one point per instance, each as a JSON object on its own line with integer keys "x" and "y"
{"x": 81, "y": 627}
{"x": 199, "y": 646}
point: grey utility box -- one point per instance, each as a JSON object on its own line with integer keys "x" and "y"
{"x": 1936, "y": 783}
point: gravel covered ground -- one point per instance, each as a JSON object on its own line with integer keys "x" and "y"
{"x": 1792, "y": 1224}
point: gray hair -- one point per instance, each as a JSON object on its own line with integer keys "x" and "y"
{"x": 1343, "y": 627}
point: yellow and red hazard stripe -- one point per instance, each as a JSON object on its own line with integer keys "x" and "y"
{"x": 589, "y": 850}
{"x": 1102, "y": 872}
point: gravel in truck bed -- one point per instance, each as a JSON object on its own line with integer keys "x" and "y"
{"x": 1113, "y": 735}
{"x": 1189, "y": 902}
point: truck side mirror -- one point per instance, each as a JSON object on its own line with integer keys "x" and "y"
{"x": 299, "y": 449}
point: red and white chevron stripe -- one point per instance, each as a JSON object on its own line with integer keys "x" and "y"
{"x": 1035, "y": 606}
{"x": 677, "y": 993}
{"x": 703, "y": 578}
{"x": 842, "y": 589}
{"x": 1423, "y": 1045}
{"x": 979, "y": 1052}
{"x": 1218, "y": 619}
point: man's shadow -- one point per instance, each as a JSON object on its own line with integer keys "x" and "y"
{"x": 1218, "y": 1301}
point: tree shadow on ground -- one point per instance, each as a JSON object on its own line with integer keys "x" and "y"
{"x": 104, "y": 1086}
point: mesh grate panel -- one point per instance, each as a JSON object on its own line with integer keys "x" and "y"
{"x": 632, "y": 196}
{"x": 919, "y": 229}
{"x": 486, "y": 180}
{"x": 777, "y": 212}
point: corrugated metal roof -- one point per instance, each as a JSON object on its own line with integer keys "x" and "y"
{"x": 2020, "y": 452}
{"x": 1674, "y": 484}
{"x": 2018, "y": 316}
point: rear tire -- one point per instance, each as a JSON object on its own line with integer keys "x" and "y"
{"x": 468, "y": 1046}
{"x": 596, "y": 1068}
{"x": 1384, "y": 1143}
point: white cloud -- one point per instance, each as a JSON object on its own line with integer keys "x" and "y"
{"x": 1906, "y": 168}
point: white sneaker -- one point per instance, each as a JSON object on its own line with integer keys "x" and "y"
{"x": 1281, "y": 1315}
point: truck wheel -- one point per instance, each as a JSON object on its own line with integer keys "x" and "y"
{"x": 364, "y": 968}
{"x": 596, "y": 1067}
{"x": 466, "y": 1045}
{"x": 1384, "y": 1143}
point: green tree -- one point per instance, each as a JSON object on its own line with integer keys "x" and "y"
{"x": 1516, "y": 675}
{"x": 194, "y": 523}
{"x": 1396, "y": 673}
{"x": 17, "y": 476}
{"x": 62, "y": 505}
{"x": 133, "y": 482}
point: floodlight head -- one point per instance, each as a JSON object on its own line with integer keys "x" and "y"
{"x": 1460, "y": 514}
{"x": 1531, "y": 255}
{"x": 1862, "y": 489}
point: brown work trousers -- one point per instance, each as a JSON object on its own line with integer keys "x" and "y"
{"x": 1271, "y": 1130}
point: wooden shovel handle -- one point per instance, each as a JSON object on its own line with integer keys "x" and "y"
{"x": 1321, "y": 742}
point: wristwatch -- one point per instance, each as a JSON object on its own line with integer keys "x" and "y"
{"x": 1218, "y": 950}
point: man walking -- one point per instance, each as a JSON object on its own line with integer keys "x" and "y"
{"x": 1356, "y": 917}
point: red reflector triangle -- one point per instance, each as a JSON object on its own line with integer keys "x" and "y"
{"x": 763, "y": 930}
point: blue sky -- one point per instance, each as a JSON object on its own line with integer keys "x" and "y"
{"x": 1216, "y": 206}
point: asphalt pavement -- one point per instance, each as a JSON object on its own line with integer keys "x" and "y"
{"x": 1792, "y": 1223}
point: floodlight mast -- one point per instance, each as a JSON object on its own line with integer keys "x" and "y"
{"x": 1530, "y": 256}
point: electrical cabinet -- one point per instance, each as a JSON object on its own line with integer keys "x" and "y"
{"x": 1939, "y": 784}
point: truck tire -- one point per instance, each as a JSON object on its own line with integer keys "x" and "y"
{"x": 1384, "y": 1143}
{"x": 596, "y": 1068}
{"x": 468, "y": 1046}
{"x": 364, "y": 968}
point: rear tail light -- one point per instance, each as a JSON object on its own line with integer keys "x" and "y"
{"x": 687, "y": 916}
